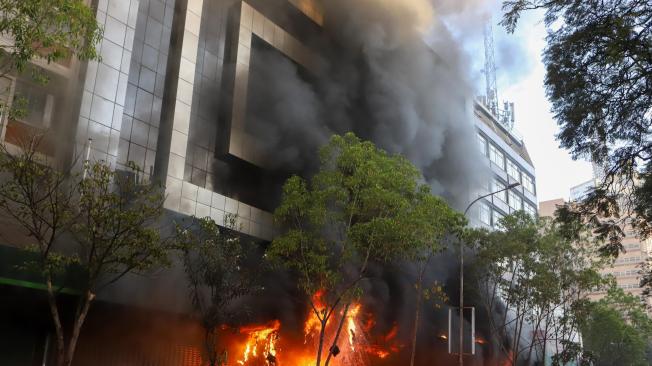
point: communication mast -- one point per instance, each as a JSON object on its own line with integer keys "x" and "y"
{"x": 506, "y": 115}
{"x": 490, "y": 68}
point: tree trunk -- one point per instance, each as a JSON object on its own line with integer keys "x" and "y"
{"x": 56, "y": 319}
{"x": 79, "y": 322}
{"x": 209, "y": 344}
{"x": 415, "y": 329}
{"x": 322, "y": 331}
{"x": 534, "y": 339}
{"x": 337, "y": 334}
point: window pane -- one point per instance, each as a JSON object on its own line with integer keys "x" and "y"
{"x": 515, "y": 201}
{"x": 513, "y": 171}
{"x": 497, "y": 157}
{"x": 530, "y": 210}
{"x": 482, "y": 144}
{"x": 497, "y": 216}
{"x": 528, "y": 183}
{"x": 500, "y": 195}
{"x": 35, "y": 102}
{"x": 485, "y": 214}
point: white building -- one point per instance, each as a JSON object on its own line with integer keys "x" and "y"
{"x": 510, "y": 162}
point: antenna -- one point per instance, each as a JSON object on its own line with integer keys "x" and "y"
{"x": 490, "y": 67}
{"x": 505, "y": 115}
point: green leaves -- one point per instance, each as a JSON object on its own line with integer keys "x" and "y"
{"x": 214, "y": 261}
{"x": 617, "y": 330}
{"x": 599, "y": 80}
{"x": 363, "y": 205}
{"x": 538, "y": 274}
{"x": 116, "y": 223}
{"x": 48, "y": 29}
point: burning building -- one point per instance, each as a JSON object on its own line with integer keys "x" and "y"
{"x": 221, "y": 100}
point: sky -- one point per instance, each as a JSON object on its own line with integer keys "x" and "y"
{"x": 520, "y": 74}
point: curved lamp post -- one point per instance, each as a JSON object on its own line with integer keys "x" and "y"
{"x": 461, "y": 354}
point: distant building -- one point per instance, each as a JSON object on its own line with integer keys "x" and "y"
{"x": 548, "y": 208}
{"x": 627, "y": 266}
{"x": 579, "y": 192}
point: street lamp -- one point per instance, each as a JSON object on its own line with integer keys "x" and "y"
{"x": 461, "y": 354}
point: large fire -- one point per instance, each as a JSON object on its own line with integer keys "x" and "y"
{"x": 264, "y": 346}
{"x": 261, "y": 342}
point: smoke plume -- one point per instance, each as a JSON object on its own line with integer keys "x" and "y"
{"x": 392, "y": 73}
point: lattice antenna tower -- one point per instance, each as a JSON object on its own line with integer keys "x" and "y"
{"x": 504, "y": 115}
{"x": 490, "y": 68}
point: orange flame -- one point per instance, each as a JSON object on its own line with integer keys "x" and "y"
{"x": 263, "y": 345}
{"x": 263, "y": 338}
{"x": 351, "y": 319}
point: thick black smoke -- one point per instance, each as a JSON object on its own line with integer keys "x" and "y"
{"x": 390, "y": 72}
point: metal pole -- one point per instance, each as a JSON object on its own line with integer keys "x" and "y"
{"x": 461, "y": 355}
{"x": 88, "y": 157}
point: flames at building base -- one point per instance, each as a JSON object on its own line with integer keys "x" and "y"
{"x": 266, "y": 345}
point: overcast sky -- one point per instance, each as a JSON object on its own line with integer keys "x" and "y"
{"x": 520, "y": 80}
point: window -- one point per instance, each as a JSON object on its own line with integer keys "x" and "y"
{"x": 497, "y": 187}
{"x": 482, "y": 144}
{"x": 530, "y": 209}
{"x": 513, "y": 171}
{"x": 37, "y": 104}
{"x": 497, "y": 156}
{"x": 628, "y": 260}
{"x": 485, "y": 214}
{"x": 515, "y": 202}
{"x": 528, "y": 183}
{"x": 497, "y": 216}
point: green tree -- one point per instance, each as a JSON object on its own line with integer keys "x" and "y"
{"x": 530, "y": 276}
{"x": 354, "y": 211}
{"x": 617, "y": 330}
{"x": 598, "y": 62}
{"x": 47, "y": 29}
{"x": 431, "y": 223}
{"x": 98, "y": 221}
{"x": 214, "y": 261}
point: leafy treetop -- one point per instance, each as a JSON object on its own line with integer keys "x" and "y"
{"x": 598, "y": 62}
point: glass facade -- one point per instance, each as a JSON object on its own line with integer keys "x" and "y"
{"x": 141, "y": 119}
